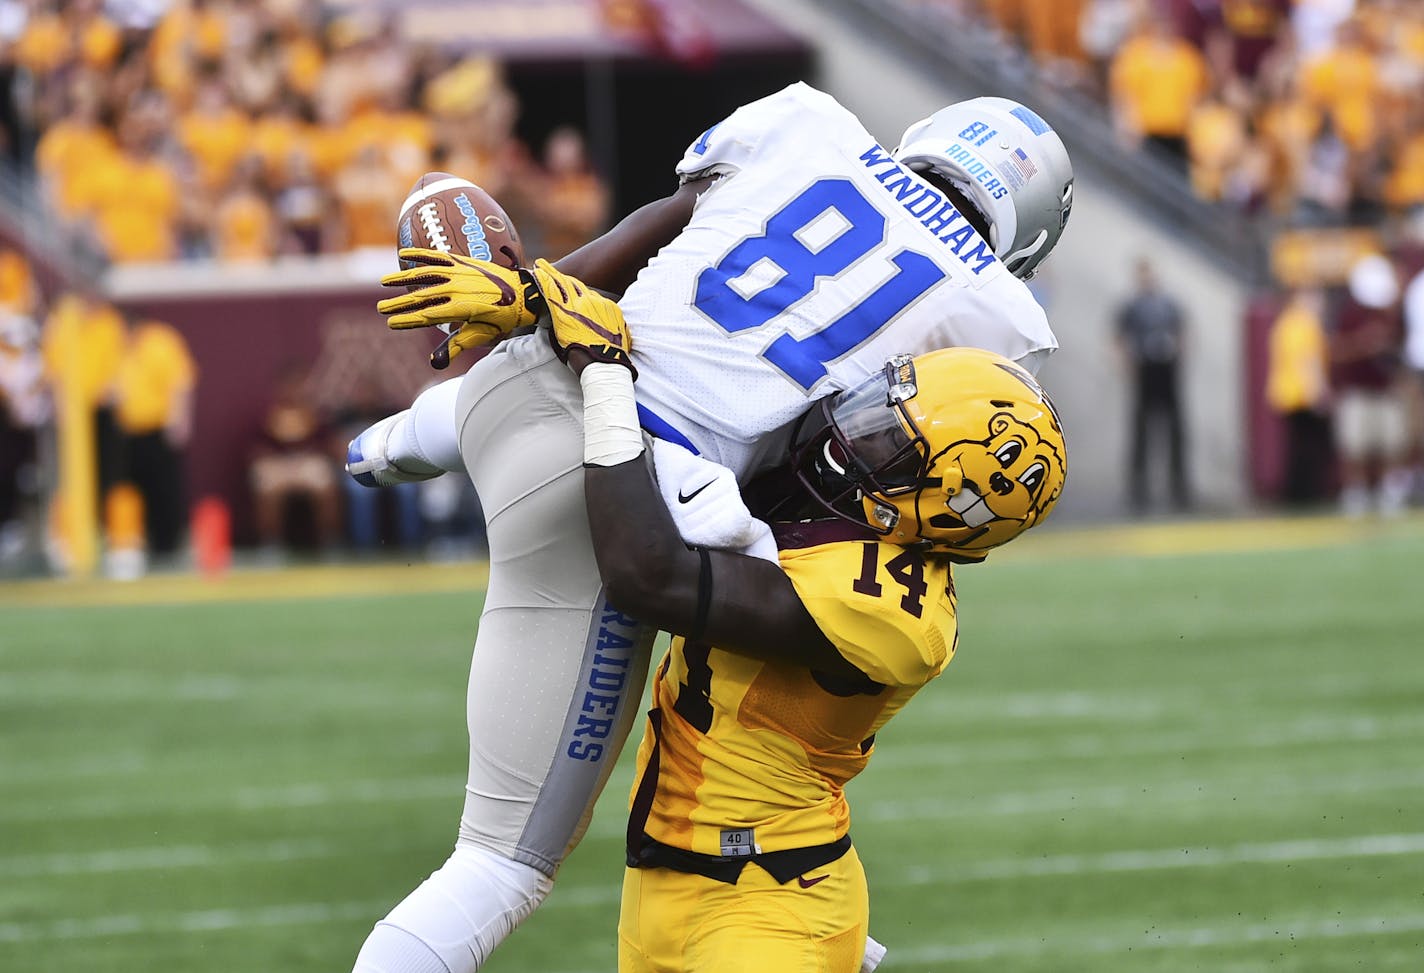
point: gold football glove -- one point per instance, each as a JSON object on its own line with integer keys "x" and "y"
{"x": 583, "y": 318}
{"x": 486, "y": 299}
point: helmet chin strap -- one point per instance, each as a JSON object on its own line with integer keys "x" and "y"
{"x": 886, "y": 517}
{"x": 1018, "y": 256}
{"x": 952, "y": 479}
{"x": 943, "y": 179}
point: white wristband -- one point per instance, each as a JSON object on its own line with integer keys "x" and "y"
{"x": 611, "y": 434}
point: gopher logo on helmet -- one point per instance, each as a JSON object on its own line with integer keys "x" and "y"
{"x": 995, "y": 456}
{"x": 958, "y": 451}
{"x": 996, "y": 485}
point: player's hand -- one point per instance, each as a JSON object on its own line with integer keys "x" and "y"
{"x": 470, "y": 335}
{"x": 487, "y": 300}
{"x": 583, "y": 318}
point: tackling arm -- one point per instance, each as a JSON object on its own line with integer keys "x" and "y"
{"x": 738, "y": 603}
{"x": 611, "y": 262}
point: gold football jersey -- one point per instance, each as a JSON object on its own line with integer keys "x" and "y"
{"x": 741, "y": 757}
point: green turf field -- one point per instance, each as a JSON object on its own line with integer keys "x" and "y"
{"x": 1200, "y": 761}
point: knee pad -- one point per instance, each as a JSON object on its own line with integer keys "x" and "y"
{"x": 457, "y": 916}
{"x": 376, "y": 457}
{"x": 391, "y": 950}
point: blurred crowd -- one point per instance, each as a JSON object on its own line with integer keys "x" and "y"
{"x": 1309, "y": 111}
{"x": 251, "y": 129}
{"x": 303, "y": 500}
{"x": 1345, "y": 374}
{"x": 132, "y": 383}
{"x": 77, "y": 371}
{"x": 1308, "y": 114}
{"x": 245, "y": 129}
{"x": 1343, "y": 377}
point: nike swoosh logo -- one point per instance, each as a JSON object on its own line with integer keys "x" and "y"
{"x": 806, "y": 884}
{"x": 612, "y": 337}
{"x": 506, "y": 293}
{"x": 687, "y": 497}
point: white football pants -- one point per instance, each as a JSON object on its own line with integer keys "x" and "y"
{"x": 556, "y": 675}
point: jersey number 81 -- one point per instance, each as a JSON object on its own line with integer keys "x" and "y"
{"x": 801, "y": 264}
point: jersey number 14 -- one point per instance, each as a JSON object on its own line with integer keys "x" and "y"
{"x": 792, "y": 254}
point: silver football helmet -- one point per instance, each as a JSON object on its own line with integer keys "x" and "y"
{"x": 1009, "y": 163}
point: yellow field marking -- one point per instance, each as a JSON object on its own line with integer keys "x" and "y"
{"x": 272, "y": 584}
{"x": 364, "y": 581}
{"x": 1207, "y": 537}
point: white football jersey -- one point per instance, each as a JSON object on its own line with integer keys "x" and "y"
{"x": 813, "y": 259}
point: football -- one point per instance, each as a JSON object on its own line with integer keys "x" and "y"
{"x": 445, "y": 212}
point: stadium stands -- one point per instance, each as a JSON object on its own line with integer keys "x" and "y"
{"x": 248, "y": 130}
{"x": 163, "y": 160}
{"x": 1306, "y": 112}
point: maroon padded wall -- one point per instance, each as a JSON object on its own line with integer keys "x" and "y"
{"x": 243, "y": 344}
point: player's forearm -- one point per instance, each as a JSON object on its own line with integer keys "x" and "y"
{"x": 647, "y": 570}
{"x": 417, "y": 444}
{"x": 742, "y": 604}
{"x": 644, "y": 565}
{"x": 612, "y": 262}
{"x": 731, "y": 601}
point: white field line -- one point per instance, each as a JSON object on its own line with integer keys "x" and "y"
{"x": 151, "y": 763}
{"x": 1259, "y": 853}
{"x": 374, "y": 791}
{"x": 114, "y": 763}
{"x": 126, "y": 688}
{"x": 212, "y": 920}
{"x": 1286, "y": 931}
{"x": 894, "y": 754}
{"x": 121, "y": 686}
{"x": 946, "y": 874}
{"x": 217, "y": 920}
{"x": 1144, "y": 793}
{"x": 1064, "y": 865}
{"x": 1180, "y": 937}
{"x": 946, "y": 703}
{"x": 1085, "y": 746}
{"x": 164, "y": 857}
{"x": 955, "y": 707}
{"x": 129, "y": 685}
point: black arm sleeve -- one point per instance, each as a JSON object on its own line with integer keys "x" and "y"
{"x": 747, "y": 605}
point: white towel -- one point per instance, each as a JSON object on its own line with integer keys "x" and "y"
{"x": 706, "y": 504}
{"x": 874, "y": 955}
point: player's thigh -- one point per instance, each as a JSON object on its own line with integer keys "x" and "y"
{"x": 677, "y": 923}
{"x": 553, "y": 694}
{"x": 656, "y": 904}
{"x": 789, "y": 927}
{"x": 1393, "y": 425}
{"x": 1414, "y": 399}
{"x": 519, "y": 419}
{"x": 556, "y": 673}
{"x": 1352, "y": 425}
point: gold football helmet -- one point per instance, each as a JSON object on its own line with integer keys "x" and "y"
{"x": 959, "y": 450}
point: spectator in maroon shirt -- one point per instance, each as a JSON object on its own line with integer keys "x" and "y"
{"x": 1371, "y": 422}
{"x": 1236, "y": 35}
